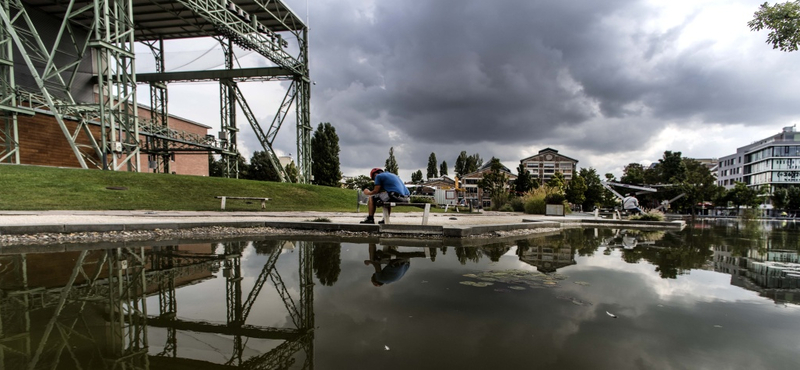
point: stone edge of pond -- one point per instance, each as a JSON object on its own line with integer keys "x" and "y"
{"x": 74, "y": 236}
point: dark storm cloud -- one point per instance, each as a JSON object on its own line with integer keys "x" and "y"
{"x": 445, "y": 76}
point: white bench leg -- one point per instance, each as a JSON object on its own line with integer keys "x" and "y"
{"x": 386, "y": 215}
{"x": 263, "y": 204}
{"x": 425, "y": 214}
{"x": 222, "y": 204}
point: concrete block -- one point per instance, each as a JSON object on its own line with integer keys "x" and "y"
{"x": 89, "y": 228}
{"x": 151, "y": 226}
{"x": 31, "y": 229}
{"x": 30, "y": 249}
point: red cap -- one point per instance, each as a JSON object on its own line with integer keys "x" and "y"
{"x": 374, "y": 172}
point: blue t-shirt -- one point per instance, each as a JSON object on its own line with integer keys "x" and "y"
{"x": 390, "y": 182}
{"x": 392, "y": 272}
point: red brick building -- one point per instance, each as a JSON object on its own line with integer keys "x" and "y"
{"x": 41, "y": 142}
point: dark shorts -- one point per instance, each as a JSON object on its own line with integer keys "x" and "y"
{"x": 388, "y": 197}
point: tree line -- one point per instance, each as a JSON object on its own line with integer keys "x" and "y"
{"x": 325, "y": 168}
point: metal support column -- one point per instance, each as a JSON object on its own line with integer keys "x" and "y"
{"x": 304, "y": 113}
{"x": 9, "y": 136}
{"x": 307, "y": 299}
{"x": 126, "y": 271}
{"x": 228, "y": 134}
{"x": 115, "y": 60}
{"x": 157, "y": 147}
{"x": 54, "y": 79}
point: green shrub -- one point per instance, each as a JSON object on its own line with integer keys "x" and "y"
{"x": 535, "y": 206}
{"x": 420, "y": 199}
{"x": 554, "y": 198}
{"x": 517, "y": 204}
{"x": 749, "y": 214}
{"x": 533, "y": 201}
{"x": 506, "y": 208}
{"x": 651, "y": 215}
{"x": 499, "y": 200}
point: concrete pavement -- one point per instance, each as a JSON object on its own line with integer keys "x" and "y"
{"x": 451, "y": 224}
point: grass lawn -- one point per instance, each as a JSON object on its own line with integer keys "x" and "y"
{"x": 47, "y": 188}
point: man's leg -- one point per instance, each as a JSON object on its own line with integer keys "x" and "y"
{"x": 371, "y": 207}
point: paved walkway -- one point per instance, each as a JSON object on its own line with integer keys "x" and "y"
{"x": 450, "y": 225}
{"x": 29, "y": 218}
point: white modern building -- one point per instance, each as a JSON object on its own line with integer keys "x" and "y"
{"x": 773, "y": 161}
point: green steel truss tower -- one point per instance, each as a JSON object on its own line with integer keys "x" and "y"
{"x": 60, "y": 42}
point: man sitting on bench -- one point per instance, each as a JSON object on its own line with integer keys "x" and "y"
{"x": 388, "y": 188}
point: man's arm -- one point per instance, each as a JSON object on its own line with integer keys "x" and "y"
{"x": 375, "y": 190}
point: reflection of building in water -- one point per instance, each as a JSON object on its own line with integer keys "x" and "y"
{"x": 773, "y": 273}
{"x": 547, "y": 258}
{"x": 88, "y": 309}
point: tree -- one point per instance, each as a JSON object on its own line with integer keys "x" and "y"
{"x": 671, "y": 168}
{"x": 473, "y": 163}
{"x": 359, "y": 182}
{"x": 557, "y": 182}
{"x": 391, "y": 162}
{"x": 443, "y": 169}
{"x": 461, "y": 162}
{"x": 780, "y": 198}
{"x": 494, "y": 182}
{"x": 594, "y": 191}
{"x": 467, "y": 163}
{"x": 325, "y": 156}
{"x": 215, "y": 167}
{"x": 261, "y": 167}
{"x": 327, "y": 262}
{"x": 794, "y": 198}
{"x": 524, "y": 183}
{"x": 576, "y": 190}
{"x": 698, "y": 184}
{"x": 432, "y": 170}
{"x": 292, "y": 172}
{"x": 741, "y": 195}
{"x": 416, "y": 177}
{"x": 633, "y": 174}
{"x": 783, "y": 21}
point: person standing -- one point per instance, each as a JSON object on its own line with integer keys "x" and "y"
{"x": 388, "y": 188}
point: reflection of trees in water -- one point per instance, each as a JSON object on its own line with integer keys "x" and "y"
{"x": 327, "y": 262}
{"x": 465, "y": 254}
{"x": 494, "y": 253}
{"x": 674, "y": 254}
{"x": 670, "y": 262}
{"x": 585, "y": 241}
{"x": 474, "y": 254}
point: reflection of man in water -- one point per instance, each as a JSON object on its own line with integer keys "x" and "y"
{"x": 628, "y": 240}
{"x": 397, "y": 264}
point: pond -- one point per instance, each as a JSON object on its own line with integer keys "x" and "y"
{"x": 715, "y": 295}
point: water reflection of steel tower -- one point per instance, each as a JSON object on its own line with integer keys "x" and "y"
{"x": 88, "y": 317}
{"x": 93, "y": 314}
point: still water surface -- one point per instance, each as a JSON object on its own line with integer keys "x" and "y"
{"x": 713, "y": 296}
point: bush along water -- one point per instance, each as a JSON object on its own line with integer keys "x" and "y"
{"x": 651, "y": 215}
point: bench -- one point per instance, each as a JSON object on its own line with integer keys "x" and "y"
{"x": 364, "y": 200}
{"x": 223, "y": 198}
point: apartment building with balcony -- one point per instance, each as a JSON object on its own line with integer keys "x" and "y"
{"x": 547, "y": 162}
{"x": 773, "y": 161}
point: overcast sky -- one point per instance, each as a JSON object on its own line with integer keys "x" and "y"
{"x": 606, "y": 82}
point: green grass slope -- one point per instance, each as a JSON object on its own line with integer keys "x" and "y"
{"x": 48, "y": 188}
